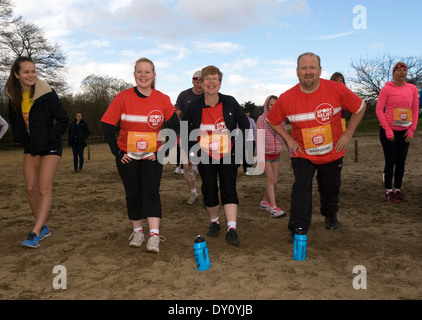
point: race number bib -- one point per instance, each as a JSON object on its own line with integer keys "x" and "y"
{"x": 141, "y": 144}
{"x": 402, "y": 117}
{"x": 318, "y": 141}
{"x": 216, "y": 143}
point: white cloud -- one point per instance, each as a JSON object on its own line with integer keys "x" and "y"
{"x": 216, "y": 47}
{"x": 241, "y": 64}
{"x": 335, "y": 36}
{"x": 95, "y": 44}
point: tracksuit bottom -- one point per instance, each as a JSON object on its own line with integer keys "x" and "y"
{"x": 395, "y": 154}
{"x": 329, "y": 181}
{"x": 141, "y": 180}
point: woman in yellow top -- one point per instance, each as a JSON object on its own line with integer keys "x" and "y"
{"x": 38, "y": 121}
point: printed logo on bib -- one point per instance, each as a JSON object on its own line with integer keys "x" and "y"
{"x": 142, "y": 145}
{"x": 402, "y": 117}
{"x": 155, "y": 119}
{"x": 324, "y": 113}
{"x": 318, "y": 141}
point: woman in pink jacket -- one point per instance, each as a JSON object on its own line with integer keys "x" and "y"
{"x": 397, "y": 110}
{"x": 269, "y": 145}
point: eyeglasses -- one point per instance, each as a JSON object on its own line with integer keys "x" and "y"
{"x": 212, "y": 79}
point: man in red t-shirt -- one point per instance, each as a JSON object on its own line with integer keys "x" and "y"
{"x": 313, "y": 108}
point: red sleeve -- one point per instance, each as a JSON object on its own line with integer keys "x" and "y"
{"x": 169, "y": 109}
{"x": 114, "y": 111}
{"x": 350, "y": 101}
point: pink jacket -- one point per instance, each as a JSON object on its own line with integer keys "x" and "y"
{"x": 267, "y": 141}
{"x": 392, "y": 97}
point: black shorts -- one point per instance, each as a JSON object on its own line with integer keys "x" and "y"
{"x": 54, "y": 152}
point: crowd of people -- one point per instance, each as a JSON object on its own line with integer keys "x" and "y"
{"x": 222, "y": 136}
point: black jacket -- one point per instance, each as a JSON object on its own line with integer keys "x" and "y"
{"x": 48, "y": 121}
{"x": 80, "y": 131}
{"x": 234, "y": 117}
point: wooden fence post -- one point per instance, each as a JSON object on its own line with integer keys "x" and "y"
{"x": 356, "y": 152}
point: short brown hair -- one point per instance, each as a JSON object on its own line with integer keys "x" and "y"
{"x": 211, "y": 70}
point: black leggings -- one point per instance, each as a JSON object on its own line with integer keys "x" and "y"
{"x": 141, "y": 179}
{"x": 395, "y": 154}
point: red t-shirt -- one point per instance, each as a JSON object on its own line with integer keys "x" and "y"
{"x": 141, "y": 119}
{"x": 213, "y": 134}
{"x": 316, "y": 118}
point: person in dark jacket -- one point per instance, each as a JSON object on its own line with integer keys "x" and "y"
{"x": 78, "y": 133}
{"x": 220, "y": 124}
{"x": 38, "y": 121}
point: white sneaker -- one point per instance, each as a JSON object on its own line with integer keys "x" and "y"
{"x": 177, "y": 170}
{"x": 276, "y": 212}
{"x": 182, "y": 171}
{"x": 193, "y": 198}
{"x": 153, "y": 243}
{"x": 137, "y": 239}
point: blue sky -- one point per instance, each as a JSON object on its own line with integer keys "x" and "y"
{"x": 254, "y": 43}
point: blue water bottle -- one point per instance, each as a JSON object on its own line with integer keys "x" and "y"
{"x": 299, "y": 249}
{"x": 201, "y": 254}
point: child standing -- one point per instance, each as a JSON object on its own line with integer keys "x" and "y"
{"x": 269, "y": 145}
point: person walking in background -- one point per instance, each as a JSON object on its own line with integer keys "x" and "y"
{"x": 214, "y": 117}
{"x": 38, "y": 121}
{"x": 78, "y": 133}
{"x": 4, "y": 126}
{"x": 183, "y": 101}
{"x": 269, "y": 145}
{"x": 337, "y": 76}
{"x": 249, "y": 154}
{"x": 317, "y": 139}
{"x": 397, "y": 111}
{"x": 142, "y": 111}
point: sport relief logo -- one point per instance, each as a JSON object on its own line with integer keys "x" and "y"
{"x": 324, "y": 113}
{"x": 155, "y": 119}
{"x": 220, "y": 125}
{"x": 142, "y": 145}
{"x": 318, "y": 139}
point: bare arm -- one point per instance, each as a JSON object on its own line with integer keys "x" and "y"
{"x": 351, "y": 128}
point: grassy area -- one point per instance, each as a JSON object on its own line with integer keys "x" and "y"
{"x": 367, "y": 126}
{"x": 372, "y": 126}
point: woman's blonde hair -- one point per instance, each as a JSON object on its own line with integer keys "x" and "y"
{"x": 153, "y": 67}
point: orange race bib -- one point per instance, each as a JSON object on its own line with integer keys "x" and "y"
{"x": 141, "y": 144}
{"x": 216, "y": 143}
{"x": 318, "y": 141}
{"x": 402, "y": 117}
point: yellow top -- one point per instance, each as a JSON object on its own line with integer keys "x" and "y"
{"x": 26, "y": 106}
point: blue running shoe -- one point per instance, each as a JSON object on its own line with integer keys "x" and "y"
{"x": 33, "y": 241}
{"x": 45, "y": 232}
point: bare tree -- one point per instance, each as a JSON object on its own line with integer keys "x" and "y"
{"x": 23, "y": 38}
{"x": 370, "y": 75}
{"x": 102, "y": 88}
{"x": 6, "y": 11}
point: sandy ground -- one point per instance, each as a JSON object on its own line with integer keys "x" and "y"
{"x": 90, "y": 231}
